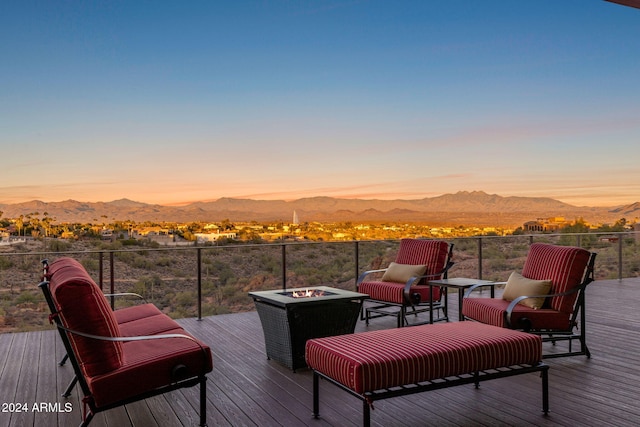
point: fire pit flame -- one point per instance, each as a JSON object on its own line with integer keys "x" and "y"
{"x": 307, "y": 293}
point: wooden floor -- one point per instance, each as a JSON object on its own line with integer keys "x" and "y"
{"x": 247, "y": 389}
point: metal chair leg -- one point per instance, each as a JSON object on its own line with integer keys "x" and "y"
{"x": 63, "y": 361}
{"x": 70, "y": 387}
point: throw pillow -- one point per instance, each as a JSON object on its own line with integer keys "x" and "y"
{"x": 400, "y": 273}
{"x": 518, "y": 286}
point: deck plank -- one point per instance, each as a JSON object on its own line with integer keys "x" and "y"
{"x": 247, "y": 389}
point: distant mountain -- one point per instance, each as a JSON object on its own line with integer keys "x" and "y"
{"x": 462, "y": 208}
{"x": 632, "y": 210}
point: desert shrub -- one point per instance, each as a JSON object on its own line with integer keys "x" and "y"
{"x": 90, "y": 264}
{"x": 165, "y": 261}
{"x": 5, "y": 263}
{"x": 269, "y": 263}
{"x": 26, "y": 297}
{"x": 57, "y": 245}
{"x": 130, "y": 242}
{"x": 143, "y": 263}
{"x": 126, "y": 257}
{"x": 185, "y": 300}
{"x": 147, "y": 286}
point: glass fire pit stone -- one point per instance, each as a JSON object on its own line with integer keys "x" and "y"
{"x": 288, "y": 322}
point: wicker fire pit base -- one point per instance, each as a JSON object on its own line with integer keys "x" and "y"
{"x": 288, "y": 322}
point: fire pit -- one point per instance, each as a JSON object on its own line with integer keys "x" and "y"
{"x": 291, "y": 317}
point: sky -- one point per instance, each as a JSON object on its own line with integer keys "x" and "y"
{"x": 173, "y": 102}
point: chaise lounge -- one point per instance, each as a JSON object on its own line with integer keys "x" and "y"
{"x": 395, "y": 362}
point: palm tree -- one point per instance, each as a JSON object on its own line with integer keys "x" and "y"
{"x": 20, "y": 223}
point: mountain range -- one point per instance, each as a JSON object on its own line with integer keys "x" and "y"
{"x": 461, "y": 208}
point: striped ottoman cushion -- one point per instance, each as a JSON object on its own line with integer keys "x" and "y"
{"x": 376, "y": 360}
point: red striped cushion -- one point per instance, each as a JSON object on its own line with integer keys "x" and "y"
{"x": 393, "y": 292}
{"x": 136, "y": 312}
{"x": 376, "y": 360}
{"x": 432, "y": 253}
{"x": 152, "y": 325}
{"x": 563, "y": 265}
{"x": 83, "y": 307}
{"x": 491, "y": 311}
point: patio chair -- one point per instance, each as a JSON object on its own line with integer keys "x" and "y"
{"x": 127, "y": 317}
{"x": 547, "y": 299}
{"x": 404, "y": 284}
{"x": 112, "y": 369}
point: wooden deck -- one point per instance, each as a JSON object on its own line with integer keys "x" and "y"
{"x": 247, "y": 389}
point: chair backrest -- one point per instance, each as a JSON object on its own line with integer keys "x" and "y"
{"x": 566, "y": 266}
{"x": 79, "y": 304}
{"x": 434, "y": 254}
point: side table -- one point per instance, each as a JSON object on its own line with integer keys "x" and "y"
{"x": 461, "y": 284}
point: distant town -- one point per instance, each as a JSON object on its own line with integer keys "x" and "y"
{"x": 38, "y": 226}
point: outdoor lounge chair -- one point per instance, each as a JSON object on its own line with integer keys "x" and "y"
{"x": 113, "y": 369}
{"x": 547, "y": 299}
{"x": 130, "y": 319}
{"x": 404, "y": 284}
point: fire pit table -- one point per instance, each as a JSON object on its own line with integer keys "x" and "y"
{"x": 291, "y": 317}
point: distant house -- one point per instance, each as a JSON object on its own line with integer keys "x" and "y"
{"x": 546, "y": 225}
{"x": 212, "y": 237}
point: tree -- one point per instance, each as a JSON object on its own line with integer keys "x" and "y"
{"x": 34, "y": 221}
{"x": 579, "y": 226}
{"x": 20, "y": 223}
{"x": 46, "y": 223}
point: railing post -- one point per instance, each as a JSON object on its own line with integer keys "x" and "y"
{"x": 479, "y": 258}
{"x": 100, "y": 272}
{"x": 112, "y": 285}
{"x": 357, "y": 260}
{"x": 199, "y": 258}
{"x": 284, "y": 267}
{"x": 620, "y": 257}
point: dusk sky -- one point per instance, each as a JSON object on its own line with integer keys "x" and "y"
{"x": 171, "y": 102}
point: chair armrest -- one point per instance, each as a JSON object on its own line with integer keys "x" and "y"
{"x": 366, "y": 273}
{"x": 482, "y": 285}
{"x": 413, "y": 280}
{"x": 134, "y": 338}
{"x": 124, "y": 339}
{"x": 125, "y": 294}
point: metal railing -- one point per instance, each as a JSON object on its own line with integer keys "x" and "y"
{"x": 206, "y": 280}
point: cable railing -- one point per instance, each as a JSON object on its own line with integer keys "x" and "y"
{"x": 200, "y": 281}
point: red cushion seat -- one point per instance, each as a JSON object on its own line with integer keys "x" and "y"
{"x": 148, "y": 365}
{"x": 150, "y": 325}
{"x": 394, "y": 292}
{"x": 135, "y": 312}
{"x": 492, "y": 312}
